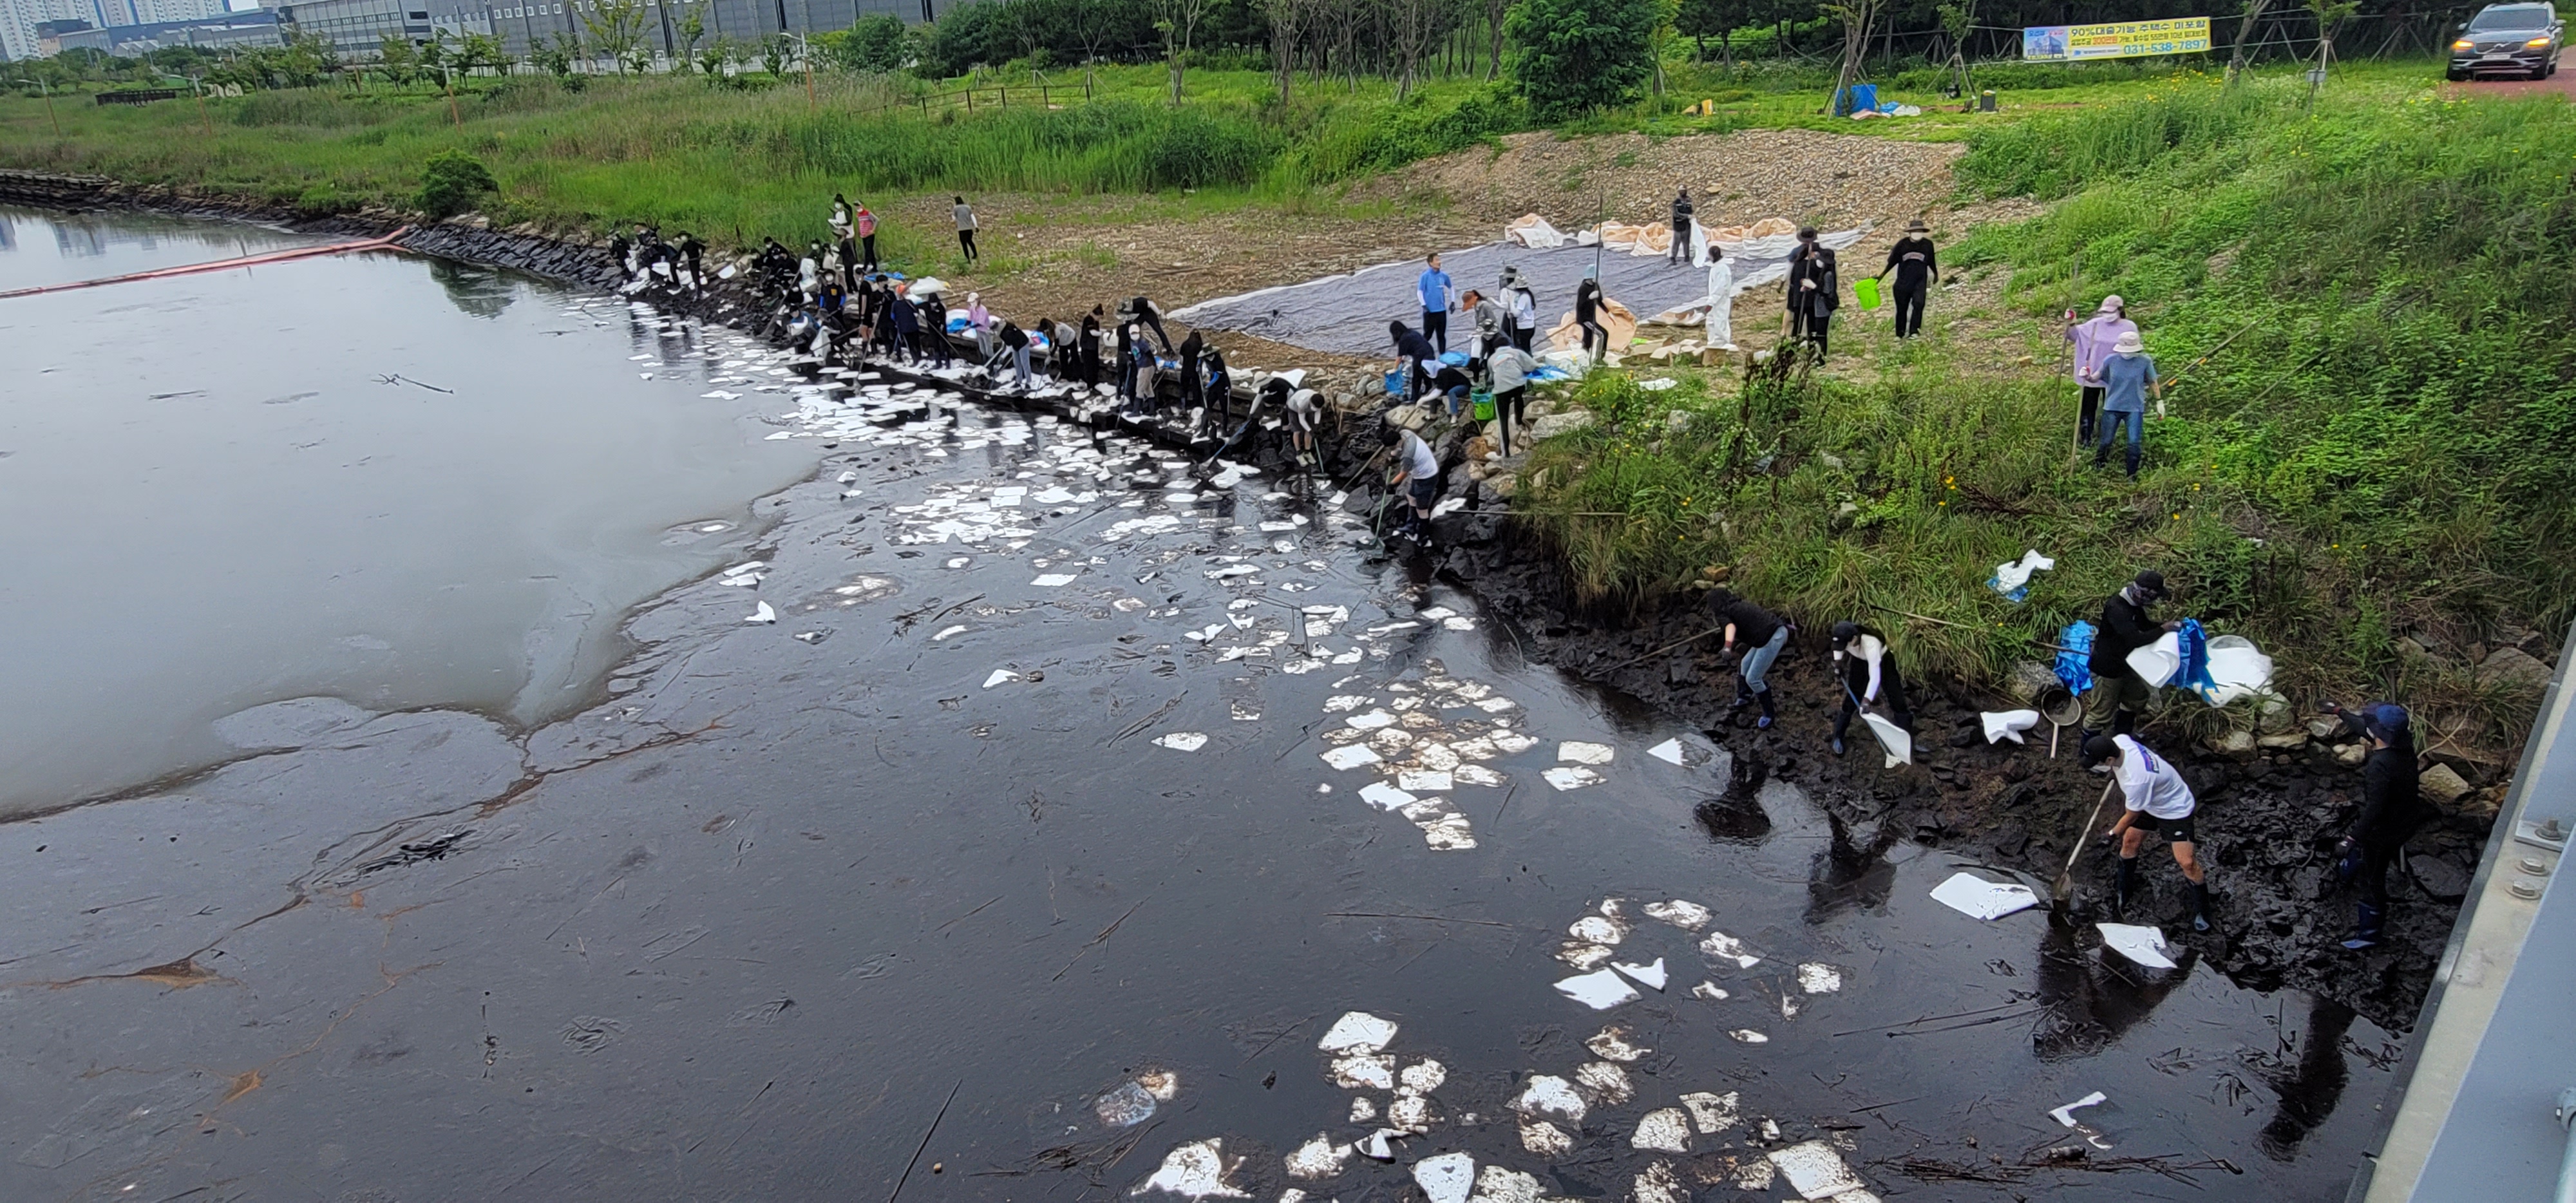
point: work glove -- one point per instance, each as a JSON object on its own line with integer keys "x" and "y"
{"x": 2347, "y": 858}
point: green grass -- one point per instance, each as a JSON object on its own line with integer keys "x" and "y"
{"x": 2388, "y": 445}
{"x": 740, "y": 163}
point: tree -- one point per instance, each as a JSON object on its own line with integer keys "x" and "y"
{"x": 476, "y": 50}
{"x": 1703, "y": 18}
{"x": 2244, "y": 33}
{"x": 433, "y": 55}
{"x": 693, "y": 30}
{"x": 1958, "y": 21}
{"x": 1411, "y": 28}
{"x": 2330, "y": 15}
{"x": 398, "y": 57}
{"x": 1856, "y": 16}
{"x": 1287, "y": 19}
{"x": 1574, "y": 56}
{"x": 1179, "y": 21}
{"x": 776, "y": 51}
{"x": 718, "y": 55}
{"x": 616, "y": 28}
{"x": 875, "y": 45}
{"x": 555, "y": 56}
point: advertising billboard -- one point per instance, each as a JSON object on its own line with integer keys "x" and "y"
{"x": 2124, "y": 39}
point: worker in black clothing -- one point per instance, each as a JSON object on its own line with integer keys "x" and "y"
{"x": 1868, "y": 673}
{"x": 694, "y": 252}
{"x": 621, "y": 253}
{"x": 1220, "y": 384}
{"x": 1587, "y": 316}
{"x": 1192, "y": 388}
{"x": 1143, "y": 310}
{"x": 2112, "y": 706}
{"x": 1762, "y": 634}
{"x": 1681, "y": 251}
{"x": 1815, "y": 290}
{"x": 2392, "y": 808}
{"x": 1086, "y": 353}
{"x": 1917, "y": 269}
{"x": 1419, "y": 359}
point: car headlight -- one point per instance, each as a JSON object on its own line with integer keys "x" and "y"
{"x": 2538, "y": 43}
{"x": 2464, "y": 44}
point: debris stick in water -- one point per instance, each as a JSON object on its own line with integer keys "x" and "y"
{"x": 1667, "y": 647}
{"x": 925, "y": 1141}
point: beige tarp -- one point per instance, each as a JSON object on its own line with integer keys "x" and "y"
{"x": 1615, "y": 319}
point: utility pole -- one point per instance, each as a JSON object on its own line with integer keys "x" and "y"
{"x": 200, "y": 81}
{"x": 48, "y": 90}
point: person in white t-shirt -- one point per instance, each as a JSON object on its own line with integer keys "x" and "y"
{"x": 1417, "y": 478}
{"x": 2157, "y": 800}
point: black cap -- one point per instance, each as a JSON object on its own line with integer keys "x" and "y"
{"x": 1845, "y": 632}
{"x": 2151, "y": 582}
{"x": 1390, "y": 435}
{"x": 2098, "y": 749}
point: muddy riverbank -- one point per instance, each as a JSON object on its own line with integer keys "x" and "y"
{"x": 2268, "y": 820}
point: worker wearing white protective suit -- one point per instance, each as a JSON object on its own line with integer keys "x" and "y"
{"x": 1721, "y": 300}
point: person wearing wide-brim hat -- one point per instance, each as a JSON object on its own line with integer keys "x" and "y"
{"x": 2128, "y": 376}
{"x": 1815, "y": 291}
{"x": 2093, "y": 341}
{"x": 1917, "y": 269}
{"x": 1520, "y": 309}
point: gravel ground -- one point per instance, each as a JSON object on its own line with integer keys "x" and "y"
{"x": 1836, "y": 180}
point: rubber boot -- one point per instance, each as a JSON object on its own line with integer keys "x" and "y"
{"x": 1769, "y": 715}
{"x": 1743, "y": 695}
{"x": 2122, "y": 886}
{"x": 2134, "y": 456}
{"x": 2124, "y": 722}
{"x": 2101, "y": 454}
{"x": 2200, "y": 906}
{"x": 2365, "y": 928}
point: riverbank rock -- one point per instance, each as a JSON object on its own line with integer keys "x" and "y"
{"x": 2443, "y": 784}
{"x": 2513, "y": 667}
{"x": 1555, "y": 424}
{"x": 2235, "y": 745}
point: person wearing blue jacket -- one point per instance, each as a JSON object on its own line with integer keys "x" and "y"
{"x": 1438, "y": 297}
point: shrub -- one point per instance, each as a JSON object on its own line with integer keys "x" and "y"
{"x": 452, "y": 182}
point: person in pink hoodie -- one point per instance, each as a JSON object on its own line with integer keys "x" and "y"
{"x": 2094, "y": 341}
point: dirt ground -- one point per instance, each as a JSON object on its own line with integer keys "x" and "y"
{"x": 1078, "y": 252}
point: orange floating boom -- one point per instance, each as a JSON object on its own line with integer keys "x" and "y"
{"x": 388, "y": 242}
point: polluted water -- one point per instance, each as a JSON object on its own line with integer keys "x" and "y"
{"x": 775, "y": 907}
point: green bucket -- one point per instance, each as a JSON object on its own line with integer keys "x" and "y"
{"x": 1482, "y": 404}
{"x": 1866, "y": 288}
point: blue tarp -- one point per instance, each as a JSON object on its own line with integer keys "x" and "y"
{"x": 2194, "y": 672}
{"x": 2074, "y": 665}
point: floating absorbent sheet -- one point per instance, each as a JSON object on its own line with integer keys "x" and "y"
{"x": 1979, "y": 898}
{"x": 1348, "y": 314}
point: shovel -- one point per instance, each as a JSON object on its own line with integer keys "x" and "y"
{"x": 2064, "y": 888}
